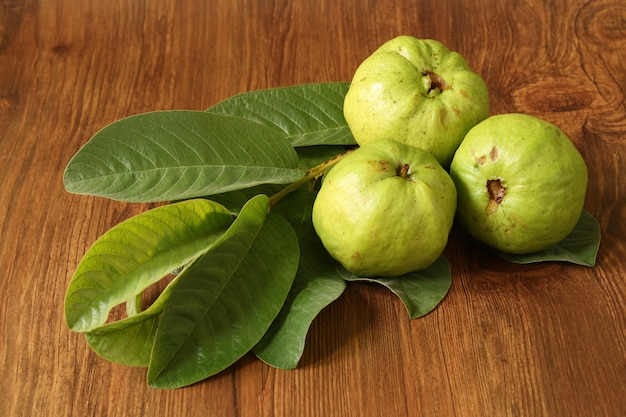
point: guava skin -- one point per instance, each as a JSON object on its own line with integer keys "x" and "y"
{"x": 385, "y": 210}
{"x": 521, "y": 183}
{"x": 416, "y": 91}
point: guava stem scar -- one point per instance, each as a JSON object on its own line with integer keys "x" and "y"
{"x": 496, "y": 192}
{"x": 402, "y": 170}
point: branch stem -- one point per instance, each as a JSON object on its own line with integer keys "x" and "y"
{"x": 312, "y": 174}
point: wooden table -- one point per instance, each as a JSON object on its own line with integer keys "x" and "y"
{"x": 537, "y": 340}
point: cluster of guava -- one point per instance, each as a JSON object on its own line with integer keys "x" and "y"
{"x": 429, "y": 152}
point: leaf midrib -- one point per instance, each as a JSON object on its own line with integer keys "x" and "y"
{"x": 184, "y": 168}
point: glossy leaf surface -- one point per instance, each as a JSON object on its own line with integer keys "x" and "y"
{"x": 138, "y": 252}
{"x": 129, "y": 341}
{"x": 308, "y": 114}
{"x": 176, "y": 155}
{"x": 226, "y": 300}
{"x": 420, "y": 291}
{"x": 317, "y": 284}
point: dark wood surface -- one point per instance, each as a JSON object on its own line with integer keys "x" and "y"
{"x": 538, "y": 340}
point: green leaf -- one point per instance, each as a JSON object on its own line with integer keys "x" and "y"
{"x": 312, "y": 156}
{"x": 308, "y": 114}
{"x": 235, "y": 200}
{"x": 129, "y": 341}
{"x": 420, "y": 291}
{"x": 138, "y": 252}
{"x": 176, "y": 155}
{"x": 226, "y": 300}
{"x": 317, "y": 284}
{"x": 579, "y": 247}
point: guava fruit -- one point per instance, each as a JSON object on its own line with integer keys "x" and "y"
{"x": 521, "y": 183}
{"x": 416, "y": 91}
{"x": 385, "y": 210}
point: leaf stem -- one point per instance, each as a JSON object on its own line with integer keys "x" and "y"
{"x": 312, "y": 174}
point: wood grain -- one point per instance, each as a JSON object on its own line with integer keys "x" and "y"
{"x": 508, "y": 340}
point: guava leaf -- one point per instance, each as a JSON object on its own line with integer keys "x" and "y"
{"x": 312, "y": 156}
{"x": 226, "y": 300}
{"x": 307, "y": 114}
{"x": 420, "y": 291}
{"x": 579, "y": 247}
{"x": 179, "y": 154}
{"x": 129, "y": 341}
{"x": 317, "y": 284}
{"x": 235, "y": 200}
{"x": 138, "y": 252}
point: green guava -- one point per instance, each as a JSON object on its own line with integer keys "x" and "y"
{"x": 416, "y": 91}
{"x": 385, "y": 210}
{"x": 521, "y": 183}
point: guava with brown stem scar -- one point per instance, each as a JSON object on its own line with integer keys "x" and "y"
{"x": 416, "y": 91}
{"x": 385, "y": 210}
{"x": 521, "y": 183}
